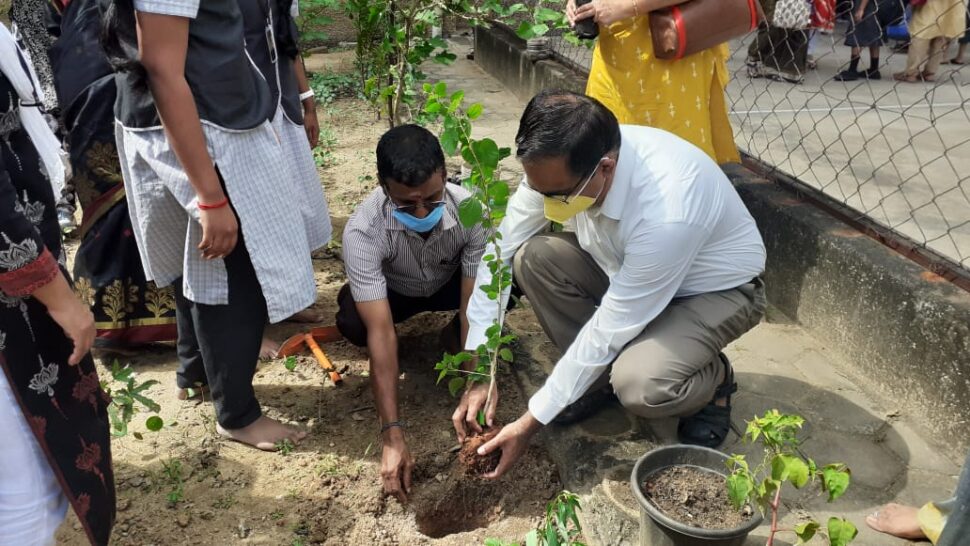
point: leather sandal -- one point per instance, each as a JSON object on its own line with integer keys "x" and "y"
{"x": 193, "y": 393}
{"x": 904, "y": 77}
{"x": 710, "y": 426}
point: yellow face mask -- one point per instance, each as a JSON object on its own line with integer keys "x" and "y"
{"x": 560, "y": 210}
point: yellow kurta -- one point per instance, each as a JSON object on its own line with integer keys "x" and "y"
{"x": 685, "y": 97}
{"x": 939, "y": 19}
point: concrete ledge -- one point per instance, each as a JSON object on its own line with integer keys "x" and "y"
{"x": 899, "y": 327}
{"x": 502, "y": 54}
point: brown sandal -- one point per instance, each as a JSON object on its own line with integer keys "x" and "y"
{"x": 904, "y": 77}
{"x": 193, "y": 393}
{"x": 928, "y": 76}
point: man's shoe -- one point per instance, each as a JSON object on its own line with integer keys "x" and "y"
{"x": 586, "y": 406}
{"x": 847, "y": 76}
{"x": 710, "y": 426}
{"x": 873, "y": 74}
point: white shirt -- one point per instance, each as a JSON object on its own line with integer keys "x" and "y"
{"x": 672, "y": 225}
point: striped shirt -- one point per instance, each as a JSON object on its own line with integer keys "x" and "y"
{"x": 380, "y": 254}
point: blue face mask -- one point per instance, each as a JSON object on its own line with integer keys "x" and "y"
{"x": 421, "y": 225}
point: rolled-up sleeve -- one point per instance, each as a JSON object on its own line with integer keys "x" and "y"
{"x": 25, "y": 264}
{"x": 176, "y": 8}
{"x": 654, "y": 266}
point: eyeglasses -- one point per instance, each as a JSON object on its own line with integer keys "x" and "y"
{"x": 409, "y": 209}
{"x": 577, "y": 189}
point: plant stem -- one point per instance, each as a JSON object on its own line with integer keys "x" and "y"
{"x": 774, "y": 517}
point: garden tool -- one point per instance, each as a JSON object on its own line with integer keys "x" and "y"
{"x": 310, "y": 340}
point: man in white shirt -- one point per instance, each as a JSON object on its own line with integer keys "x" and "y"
{"x": 658, "y": 271}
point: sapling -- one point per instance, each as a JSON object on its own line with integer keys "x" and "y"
{"x": 128, "y": 397}
{"x": 560, "y": 527}
{"x": 783, "y": 462}
{"x": 486, "y": 207}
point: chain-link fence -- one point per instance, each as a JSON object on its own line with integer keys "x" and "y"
{"x": 896, "y": 152}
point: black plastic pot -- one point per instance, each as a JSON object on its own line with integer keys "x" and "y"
{"x": 586, "y": 29}
{"x": 656, "y": 528}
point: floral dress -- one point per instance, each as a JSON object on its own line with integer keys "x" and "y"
{"x": 64, "y": 405}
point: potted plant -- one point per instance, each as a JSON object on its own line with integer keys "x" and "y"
{"x": 687, "y": 475}
{"x": 687, "y": 499}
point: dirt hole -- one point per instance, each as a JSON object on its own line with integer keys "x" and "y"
{"x": 464, "y": 504}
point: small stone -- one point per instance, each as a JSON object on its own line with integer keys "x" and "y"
{"x": 440, "y": 477}
{"x": 333, "y": 444}
{"x": 124, "y": 504}
{"x": 183, "y": 520}
{"x": 242, "y": 530}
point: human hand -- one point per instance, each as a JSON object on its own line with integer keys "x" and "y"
{"x": 571, "y": 12}
{"x": 513, "y": 440}
{"x": 465, "y": 417}
{"x": 606, "y": 12}
{"x": 310, "y": 123}
{"x": 77, "y": 321}
{"x": 396, "y": 465}
{"x": 220, "y": 232}
{"x": 859, "y": 14}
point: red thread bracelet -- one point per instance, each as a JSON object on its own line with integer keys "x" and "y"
{"x": 219, "y": 205}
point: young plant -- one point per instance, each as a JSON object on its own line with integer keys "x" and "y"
{"x": 783, "y": 462}
{"x": 127, "y": 399}
{"x": 284, "y": 447}
{"x": 486, "y": 207}
{"x": 172, "y": 474}
{"x": 560, "y": 527}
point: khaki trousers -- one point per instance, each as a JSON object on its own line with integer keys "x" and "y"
{"x": 928, "y": 51}
{"x": 671, "y": 369}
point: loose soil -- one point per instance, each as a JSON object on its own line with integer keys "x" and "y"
{"x": 327, "y": 490}
{"x": 694, "y": 496}
{"x": 475, "y": 464}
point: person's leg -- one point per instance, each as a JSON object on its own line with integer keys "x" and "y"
{"x": 32, "y": 505}
{"x": 918, "y": 51}
{"x": 957, "y": 527}
{"x": 873, "y": 71}
{"x": 934, "y": 58}
{"x": 563, "y": 282}
{"x": 191, "y": 371}
{"x": 673, "y": 368}
{"x": 349, "y": 323}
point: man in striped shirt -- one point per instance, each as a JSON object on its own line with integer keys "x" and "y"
{"x": 405, "y": 252}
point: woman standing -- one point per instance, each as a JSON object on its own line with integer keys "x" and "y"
{"x": 53, "y": 417}
{"x": 932, "y": 27}
{"x": 684, "y": 97}
{"x": 128, "y": 309}
{"x": 215, "y": 210}
{"x": 777, "y": 53}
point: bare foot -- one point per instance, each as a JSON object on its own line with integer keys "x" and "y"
{"x": 308, "y": 315}
{"x": 264, "y": 433}
{"x": 268, "y": 348}
{"x": 896, "y": 520}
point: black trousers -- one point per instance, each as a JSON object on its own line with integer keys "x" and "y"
{"x": 218, "y": 345}
{"x": 351, "y": 325}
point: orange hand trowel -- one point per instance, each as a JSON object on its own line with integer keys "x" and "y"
{"x": 311, "y": 340}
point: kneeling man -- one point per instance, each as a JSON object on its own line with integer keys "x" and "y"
{"x": 658, "y": 271}
{"x": 405, "y": 252}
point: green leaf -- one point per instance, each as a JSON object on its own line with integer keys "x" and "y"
{"x": 835, "y": 480}
{"x": 506, "y": 354}
{"x": 525, "y": 31}
{"x": 290, "y": 363}
{"x": 806, "y": 531}
{"x": 797, "y": 472}
{"x": 544, "y": 15}
{"x": 486, "y": 151}
{"x": 481, "y": 417}
{"x": 470, "y": 212}
{"x": 474, "y": 111}
{"x": 440, "y": 89}
{"x": 444, "y": 58}
{"x": 154, "y": 423}
{"x": 455, "y": 385}
{"x": 841, "y": 532}
{"x": 739, "y": 487}
{"x": 148, "y": 403}
{"x": 532, "y": 539}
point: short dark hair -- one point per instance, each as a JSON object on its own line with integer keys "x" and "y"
{"x": 559, "y": 123}
{"x": 408, "y": 154}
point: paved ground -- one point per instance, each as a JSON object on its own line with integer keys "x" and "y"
{"x": 778, "y": 365}
{"x": 890, "y": 150}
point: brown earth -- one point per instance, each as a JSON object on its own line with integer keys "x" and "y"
{"x": 475, "y": 464}
{"x": 693, "y": 496}
{"x": 327, "y": 490}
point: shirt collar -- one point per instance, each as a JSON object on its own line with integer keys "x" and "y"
{"x": 615, "y": 201}
{"x": 448, "y": 220}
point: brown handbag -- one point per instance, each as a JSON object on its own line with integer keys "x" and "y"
{"x": 696, "y": 25}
